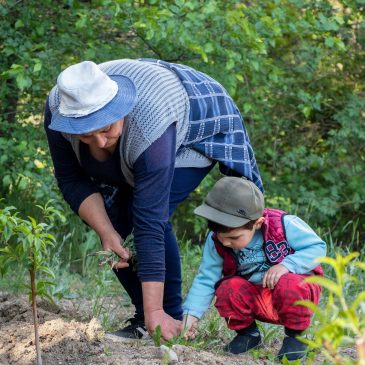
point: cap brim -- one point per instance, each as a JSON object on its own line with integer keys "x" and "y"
{"x": 122, "y": 103}
{"x": 219, "y": 217}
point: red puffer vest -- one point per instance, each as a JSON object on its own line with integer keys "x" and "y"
{"x": 276, "y": 246}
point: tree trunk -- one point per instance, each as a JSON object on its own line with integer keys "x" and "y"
{"x": 9, "y": 106}
{"x": 35, "y": 316}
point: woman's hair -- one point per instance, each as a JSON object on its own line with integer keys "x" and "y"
{"x": 216, "y": 227}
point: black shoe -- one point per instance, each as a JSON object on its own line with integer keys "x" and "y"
{"x": 292, "y": 348}
{"x": 136, "y": 329}
{"x": 242, "y": 343}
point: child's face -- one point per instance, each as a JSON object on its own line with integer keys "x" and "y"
{"x": 238, "y": 238}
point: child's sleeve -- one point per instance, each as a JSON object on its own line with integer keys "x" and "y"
{"x": 202, "y": 290}
{"x": 306, "y": 244}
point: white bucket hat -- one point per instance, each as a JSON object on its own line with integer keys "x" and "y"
{"x": 90, "y": 99}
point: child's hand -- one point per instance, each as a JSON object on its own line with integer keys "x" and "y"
{"x": 190, "y": 326}
{"x": 273, "y": 275}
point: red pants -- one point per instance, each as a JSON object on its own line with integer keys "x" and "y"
{"x": 241, "y": 302}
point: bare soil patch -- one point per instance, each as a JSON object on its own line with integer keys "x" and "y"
{"x": 65, "y": 340}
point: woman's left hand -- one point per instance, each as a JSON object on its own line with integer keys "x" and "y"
{"x": 169, "y": 326}
{"x": 273, "y": 275}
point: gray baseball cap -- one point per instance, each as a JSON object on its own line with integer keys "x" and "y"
{"x": 232, "y": 202}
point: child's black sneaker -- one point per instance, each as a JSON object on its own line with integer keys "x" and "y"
{"x": 242, "y": 343}
{"x": 136, "y": 329}
{"x": 292, "y": 348}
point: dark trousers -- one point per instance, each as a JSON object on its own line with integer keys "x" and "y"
{"x": 184, "y": 182}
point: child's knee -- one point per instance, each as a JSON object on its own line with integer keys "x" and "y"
{"x": 235, "y": 299}
{"x": 292, "y": 287}
{"x": 232, "y": 285}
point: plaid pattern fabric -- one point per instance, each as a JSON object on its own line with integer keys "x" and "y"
{"x": 241, "y": 302}
{"x": 216, "y": 127}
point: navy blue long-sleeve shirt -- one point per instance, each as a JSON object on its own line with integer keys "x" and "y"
{"x": 153, "y": 173}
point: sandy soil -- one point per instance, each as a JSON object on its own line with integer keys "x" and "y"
{"x": 67, "y": 341}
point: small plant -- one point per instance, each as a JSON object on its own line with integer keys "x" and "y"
{"x": 287, "y": 362}
{"x": 129, "y": 243}
{"x": 108, "y": 350}
{"x": 111, "y": 258}
{"x": 165, "y": 346}
{"x": 106, "y": 257}
{"x": 156, "y": 336}
{"x": 341, "y": 323}
{"x": 25, "y": 242}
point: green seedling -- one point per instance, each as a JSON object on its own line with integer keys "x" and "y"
{"x": 108, "y": 350}
{"x": 24, "y": 242}
{"x": 129, "y": 243}
{"x": 109, "y": 258}
{"x": 158, "y": 340}
{"x": 156, "y": 336}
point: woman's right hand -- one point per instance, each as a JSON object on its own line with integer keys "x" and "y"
{"x": 112, "y": 242}
{"x": 92, "y": 211}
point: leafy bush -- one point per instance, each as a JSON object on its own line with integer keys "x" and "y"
{"x": 341, "y": 321}
{"x": 295, "y": 69}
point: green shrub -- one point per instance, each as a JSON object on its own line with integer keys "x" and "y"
{"x": 295, "y": 69}
{"x": 341, "y": 322}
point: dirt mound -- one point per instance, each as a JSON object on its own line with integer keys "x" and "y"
{"x": 65, "y": 341}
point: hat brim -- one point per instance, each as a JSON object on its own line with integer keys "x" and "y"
{"x": 219, "y": 217}
{"x": 122, "y": 103}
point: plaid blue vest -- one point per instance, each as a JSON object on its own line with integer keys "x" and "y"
{"x": 216, "y": 126}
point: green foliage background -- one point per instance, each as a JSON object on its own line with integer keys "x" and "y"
{"x": 296, "y": 70}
